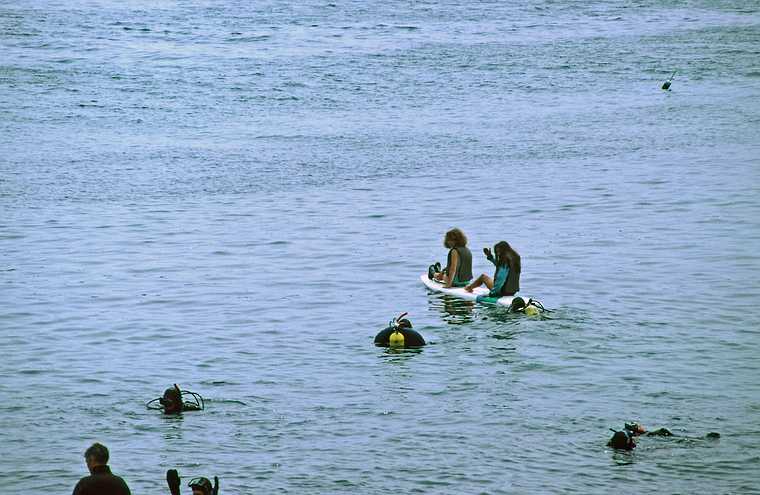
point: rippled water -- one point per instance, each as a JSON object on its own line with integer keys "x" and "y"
{"x": 237, "y": 197}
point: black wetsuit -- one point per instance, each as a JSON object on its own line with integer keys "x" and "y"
{"x": 101, "y": 482}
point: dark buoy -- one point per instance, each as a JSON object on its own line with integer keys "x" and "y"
{"x": 399, "y": 334}
{"x": 666, "y": 84}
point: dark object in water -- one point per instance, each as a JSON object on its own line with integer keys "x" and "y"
{"x": 173, "y": 401}
{"x": 666, "y": 84}
{"x": 398, "y": 334}
{"x": 661, "y": 432}
{"x": 172, "y": 479}
{"x": 622, "y": 440}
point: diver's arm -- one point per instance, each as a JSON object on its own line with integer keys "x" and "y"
{"x": 451, "y": 272}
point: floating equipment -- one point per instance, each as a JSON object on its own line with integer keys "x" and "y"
{"x": 399, "y": 334}
{"x": 666, "y": 84}
{"x": 396, "y": 339}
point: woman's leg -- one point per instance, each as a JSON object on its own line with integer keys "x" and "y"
{"x": 482, "y": 279}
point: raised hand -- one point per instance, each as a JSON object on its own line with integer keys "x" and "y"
{"x": 172, "y": 479}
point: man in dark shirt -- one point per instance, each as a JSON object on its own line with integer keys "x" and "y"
{"x": 100, "y": 481}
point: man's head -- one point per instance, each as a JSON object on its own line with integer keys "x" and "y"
{"x": 96, "y": 455}
{"x": 200, "y": 486}
{"x": 635, "y": 428}
{"x": 172, "y": 401}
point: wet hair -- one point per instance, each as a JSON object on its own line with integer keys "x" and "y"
{"x": 202, "y": 483}
{"x": 97, "y": 452}
{"x": 454, "y": 238}
{"x": 505, "y": 255}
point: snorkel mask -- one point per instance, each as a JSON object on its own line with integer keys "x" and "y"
{"x": 204, "y": 484}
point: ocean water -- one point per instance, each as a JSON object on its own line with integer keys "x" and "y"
{"x": 237, "y": 196}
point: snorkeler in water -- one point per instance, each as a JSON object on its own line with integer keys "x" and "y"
{"x": 625, "y": 439}
{"x": 173, "y": 401}
{"x": 200, "y": 485}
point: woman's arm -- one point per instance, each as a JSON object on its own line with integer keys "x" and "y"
{"x": 452, "y": 269}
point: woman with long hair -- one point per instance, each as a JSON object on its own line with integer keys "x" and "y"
{"x": 506, "y": 278}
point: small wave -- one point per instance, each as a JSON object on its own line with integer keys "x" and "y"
{"x": 250, "y": 39}
{"x": 32, "y": 372}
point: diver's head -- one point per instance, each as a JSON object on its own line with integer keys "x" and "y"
{"x": 200, "y": 486}
{"x": 518, "y": 304}
{"x": 635, "y": 428}
{"x": 404, "y": 323}
{"x": 172, "y": 400}
{"x": 455, "y": 238}
{"x": 96, "y": 455}
{"x": 622, "y": 440}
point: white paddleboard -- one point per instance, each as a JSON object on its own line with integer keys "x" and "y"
{"x": 460, "y": 293}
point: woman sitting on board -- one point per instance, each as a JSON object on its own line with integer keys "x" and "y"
{"x": 506, "y": 279}
{"x": 458, "y": 271}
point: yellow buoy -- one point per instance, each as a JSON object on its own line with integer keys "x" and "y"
{"x": 396, "y": 339}
{"x": 531, "y": 310}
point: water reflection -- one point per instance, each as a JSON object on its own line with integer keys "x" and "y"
{"x": 622, "y": 457}
{"x": 455, "y": 311}
{"x": 392, "y": 352}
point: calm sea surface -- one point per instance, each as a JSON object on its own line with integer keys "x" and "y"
{"x": 237, "y": 196}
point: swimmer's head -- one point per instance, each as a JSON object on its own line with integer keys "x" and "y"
{"x": 200, "y": 486}
{"x": 635, "y": 428}
{"x": 518, "y": 304}
{"x": 404, "y": 323}
{"x": 172, "y": 400}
